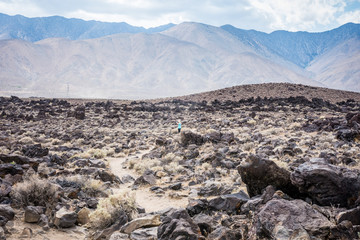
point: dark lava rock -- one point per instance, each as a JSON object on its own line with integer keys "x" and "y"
{"x": 188, "y": 138}
{"x": 214, "y": 189}
{"x": 352, "y": 215}
{"x": 5, "y": 189}
{"x": 33, "y": 214}
{"x": 224, "y": 233}
{"x": 197, "y": 206}
{"x": 65, "y": 218}
{"x": 258, "y": 173}
{"x": 178, "y": 225}
{"x": 327, "y": 184}
{"x": 9, "y": 168}
{"x": 347, "y": 135}
{"x": 175, "y": 186}
{"x": 79, "y": 113}
{"x": 14, "y": 158}
{"x": 35, "y": 151}
{"x": 282, "y": 219}
{"x": 205, "y": 223}
{"x": 147, "y": 178}
{"x": 231, "y": 203}
{"x": 6, "y": 214}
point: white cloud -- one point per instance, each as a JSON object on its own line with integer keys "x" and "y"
{"x": 263, "y": 15}
{"x": 298, "y": 15}
{"x": 352, "y": 16}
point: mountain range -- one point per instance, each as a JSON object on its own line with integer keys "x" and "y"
{"x": 59, "y": 57}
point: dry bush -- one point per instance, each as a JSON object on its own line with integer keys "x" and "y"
{"x": 141, "y": 165}
{"x": 91, "y": 187}
{"x": 111, "y": 208}
{"x": 35, "y": 191}
{"x": 173, "y": 167}
{"x": 26, "y": 140}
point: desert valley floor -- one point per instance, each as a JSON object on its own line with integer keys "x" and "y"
{"x": 268, "y": 161}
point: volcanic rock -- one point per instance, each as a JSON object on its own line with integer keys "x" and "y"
{"x": 258, "y": 173}
{"x": 178, "y": 225}
{"x": 327, "y": 184}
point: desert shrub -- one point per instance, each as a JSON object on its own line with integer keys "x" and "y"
{"x": 111, "y": 208}
{"x": 34, "y": 191}
{"x": 26, "y": 140}
{"x": 173, "y": 167}
{"x": 140, "y": 166}
{"x": 91, "y": 187}
{"x": 206, "y": 166}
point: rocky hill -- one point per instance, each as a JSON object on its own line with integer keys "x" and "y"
{"x": 273, "y": 90}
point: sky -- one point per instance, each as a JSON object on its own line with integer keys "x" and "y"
{"x": 261, "y": 15}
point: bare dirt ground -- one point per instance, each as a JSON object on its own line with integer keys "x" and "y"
{"x": 144, "y": 197}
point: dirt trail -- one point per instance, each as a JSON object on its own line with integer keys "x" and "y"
{"x": 144, "y": 197}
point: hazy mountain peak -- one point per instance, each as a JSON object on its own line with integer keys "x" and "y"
{"x": 35, "y": 29}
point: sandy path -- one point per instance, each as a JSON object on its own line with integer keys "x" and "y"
{"x": 144, "y": 197}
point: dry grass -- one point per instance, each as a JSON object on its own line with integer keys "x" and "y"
{"x": 35, "y": 191}
{"x": 111, "y": 208}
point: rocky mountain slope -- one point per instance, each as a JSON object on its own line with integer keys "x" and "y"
{"x": 182, "y": 59}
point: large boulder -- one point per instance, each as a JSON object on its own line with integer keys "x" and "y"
{"x": 178, "y": 225}
{"x": 327, "y": 184}
{"x": 259, "y": 173}
{"x": 283, "y": 219}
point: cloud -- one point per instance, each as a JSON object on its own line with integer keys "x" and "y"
{"x": 295, "y": 15}
{"x": 263, "y": 15}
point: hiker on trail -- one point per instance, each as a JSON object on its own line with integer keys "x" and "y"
{"x": 179, "y": 127}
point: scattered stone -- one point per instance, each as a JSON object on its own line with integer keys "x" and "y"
{"x": 178, "y": 225}
{"x": 65, "y": 218}
{"x": 6, "y": 214}
{"x": 144, "y": 234}
{"x": 223, "y": 233}
{"x": 147, "y": 178}
{"x": 119, "y": 236}
{"x": 148, "y": 221}
{"x": 83, "y": 216}
{"x": 35, "y": 151}
{"x": 231, "y": 203}
{"x": 33, "y": 214}
{"x": 26, "y": 233}
{"x": 175, "y": 186}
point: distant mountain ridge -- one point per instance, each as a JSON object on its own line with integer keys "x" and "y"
{"x": 297, "y": 47}
{"x": 36, "y": 29}
{"x": 59, "y": 57}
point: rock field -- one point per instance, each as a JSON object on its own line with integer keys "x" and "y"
{"x": 245, "y": 166}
